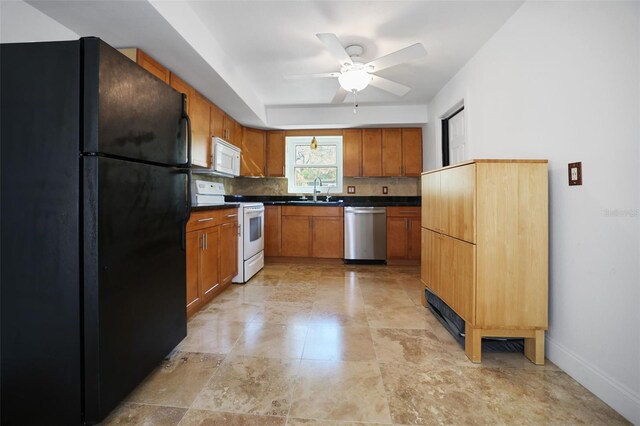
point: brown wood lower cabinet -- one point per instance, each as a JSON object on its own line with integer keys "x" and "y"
{"x": 272, "y": 231}
{"x": 403, "y": 233}
{"x": 312, "y": 232}
{"x": 212, "y": 254}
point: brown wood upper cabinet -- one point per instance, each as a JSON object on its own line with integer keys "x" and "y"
{"x": 382, "y": 152}
{"x": 182, "y": 87}
{"x": 148, "y": 63}
{"x": 392, "y": 152}
{"x": 253, "y": 152}
{"x": 352, "y": 152}
{"x": 371, "y": 152}
{"x": 216, "y": 124}
{"x": 402, "y": 152}
{"x": 200, "y": 136}
{"x": 275, "y": 153}
{"x": 411, "y": 151}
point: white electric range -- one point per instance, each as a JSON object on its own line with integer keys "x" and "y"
{"x": 250, "y": 227}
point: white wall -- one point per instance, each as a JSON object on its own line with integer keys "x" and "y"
{"x": 21, "y": 22}
{"x": 561, "y": 80}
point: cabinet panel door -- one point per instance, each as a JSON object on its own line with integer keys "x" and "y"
{"x": 430, "y": 261}
{"x": 460, "y": 277}
{"x": 228, "y": 252}
{"x": 153, "y": 66}
{"x": 327, "y": 241}
{"x": 352, "y": 152}
{"x": 238, "y": 131}
{"x": 431, "y": 208}
{"x": 228, "y": 130}
{"x": 216, "y": 123}
{"x": 182, "y": 87}
{"x": 253, "y": 150}
{"x": 414, "y": 243}
{"x": 209, "y": 266}
{"x": 272, "y": 231}
{"x": 371, "y": 152}
{"x": 200, "y": 141}
{"x": 411, "y": 152}
{"x": 296, "y": 236}
{"x": 457, "y": 189}
{"x": 391, "y": 152}
{"x": 397, "y": 229}
{"x": 193, "y": 257}
{"x": 275, "y": 153}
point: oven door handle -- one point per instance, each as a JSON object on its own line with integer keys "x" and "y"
{"x": 253, "y": 210}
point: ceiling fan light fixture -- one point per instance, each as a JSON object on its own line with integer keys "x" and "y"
{"x": 354, "y": 80}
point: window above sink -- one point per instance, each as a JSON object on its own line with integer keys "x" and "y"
{"x": 304, "y": 164}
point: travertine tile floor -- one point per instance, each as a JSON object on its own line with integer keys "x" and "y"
{"x": 310, "y": 344}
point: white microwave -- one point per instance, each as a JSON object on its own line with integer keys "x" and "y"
{"x": 225, "y": 159}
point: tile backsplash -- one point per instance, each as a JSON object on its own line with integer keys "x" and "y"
{"x": 409, "y": 186}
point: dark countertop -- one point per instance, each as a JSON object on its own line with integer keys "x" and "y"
{"x": 218, "y": 207}
{"x": 346, "y": 201}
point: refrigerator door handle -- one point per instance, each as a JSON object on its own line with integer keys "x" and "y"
{"x": 186, "y": 118}
{"x": 187, "y": 208}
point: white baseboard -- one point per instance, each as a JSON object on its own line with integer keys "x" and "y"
{"x": 618, "y": 396}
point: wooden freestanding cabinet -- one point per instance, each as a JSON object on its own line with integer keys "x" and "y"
{"x": 485, "y": 248}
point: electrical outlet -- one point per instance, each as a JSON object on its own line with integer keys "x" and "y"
{"x": 385, "y": 189}
{"x": 575, "y": 174}
{"x": 351, "y": 189}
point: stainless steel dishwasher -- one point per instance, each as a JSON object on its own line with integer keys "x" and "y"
{"x": 365, "y": 233}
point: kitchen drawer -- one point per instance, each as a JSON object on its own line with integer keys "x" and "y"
{"x": 206, "y": 218}
{"x": 311, "y": 211}
{"x": 409, "y": 211}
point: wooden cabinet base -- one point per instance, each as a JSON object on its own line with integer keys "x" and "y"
{"x": 533, "y": 342}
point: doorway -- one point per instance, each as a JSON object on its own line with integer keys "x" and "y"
{"x": 453, "y": 138}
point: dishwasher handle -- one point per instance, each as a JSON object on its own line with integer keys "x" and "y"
{"x": 365, "y": 210}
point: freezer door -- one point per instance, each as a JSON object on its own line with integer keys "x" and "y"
{"x": 128, "y": 112}
{"x": 135, "y": 275}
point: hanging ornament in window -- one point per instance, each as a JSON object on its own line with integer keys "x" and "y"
{"x": 314, "y": 143}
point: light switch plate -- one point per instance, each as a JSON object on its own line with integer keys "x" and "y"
{"x": 351, "y": 189}
{"x": 385, "y": 189}
{"x": 575, "y": 174}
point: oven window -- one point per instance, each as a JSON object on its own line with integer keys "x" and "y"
{"x": 255, "y": 228}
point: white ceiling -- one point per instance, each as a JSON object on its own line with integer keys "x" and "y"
{"x": 238, "y": 52}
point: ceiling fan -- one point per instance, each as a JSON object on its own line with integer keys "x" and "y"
{"x": 355, "y": 74}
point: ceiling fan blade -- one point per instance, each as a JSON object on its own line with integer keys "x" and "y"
{"x": 340, "y": 95}
{"x": 398, "y": 57}
{"x": 336, "y": 49}
{"x": 389, "y": 86}
{"x": 305, "y": 76}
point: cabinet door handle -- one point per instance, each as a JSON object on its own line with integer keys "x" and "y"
{"x": 206, "y": 241}
{"x": 232, "y": 215}
{"x": 206, "y": 219}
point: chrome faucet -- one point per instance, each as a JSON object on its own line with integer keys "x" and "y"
{"x": 315, "y": 193}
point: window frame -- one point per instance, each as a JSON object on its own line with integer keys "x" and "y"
{"x": 292, "y": 141}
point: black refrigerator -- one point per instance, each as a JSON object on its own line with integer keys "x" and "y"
{"x": 95, "y": 156}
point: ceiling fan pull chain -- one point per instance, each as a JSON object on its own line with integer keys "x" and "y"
{"x": 355, "y": 101}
